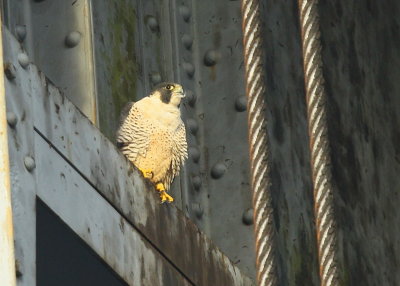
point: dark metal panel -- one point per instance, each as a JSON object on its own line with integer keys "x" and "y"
{"x": 361, "y": 43}
{"x": 117, "y": 44}
{"x": 291, "y": 187}
{"x": 219, "y": 155}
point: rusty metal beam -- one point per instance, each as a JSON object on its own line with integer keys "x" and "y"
{"x": 7, "y": 262}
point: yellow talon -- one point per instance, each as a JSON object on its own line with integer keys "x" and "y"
{"x": 163, "y": 194}
{"x": 148, "y": 174}
{"x": 165, "y": 197}
{"x": 160, "y": 187}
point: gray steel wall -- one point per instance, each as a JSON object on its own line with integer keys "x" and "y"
{"x": 287, "y": 127}
{"x": 137, "y": 43}
{"x": 119, "y": 74}
{"x": 56, "y": 36}
{"x": 361, "y": 44}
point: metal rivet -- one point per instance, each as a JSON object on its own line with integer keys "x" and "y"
{"x": 155, "y": 77}
{"x": 192, "y": 125}
{"x": 20, "y": 30}
{"x": 185, "y": 13}
{"x": 194, "y": 153}
{"x": 9, "y": 70}
{"x": 241, "y": 103}
{"x": 198, "y": 210}
{"x": 73, "y": 39}
{"x": 189, "y": 69}
{"x": 196, "y": 182}
{"x": 190, "y": 97}
{"x": 11, "y": 119}
{"x": 153, "y": 23}
{"x": 29, "y": 163}
{"x": 187, "y": 41}
{"x": 211, "y": 58}
{"x": 23, "y": 60}
{"x": 247, "y": 217}
{"x": 218, "y": 170}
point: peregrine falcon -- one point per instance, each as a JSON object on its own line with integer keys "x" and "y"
{"x": 152, "y": 136}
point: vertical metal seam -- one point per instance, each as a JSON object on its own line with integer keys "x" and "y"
{"x": 258, "y": 144}
{"x": 95, "y": 100}
{"x": 319, "y": 147}
{"x": 7, "y": 260}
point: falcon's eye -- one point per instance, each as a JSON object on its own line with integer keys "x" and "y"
{"x": 169, "y": 87}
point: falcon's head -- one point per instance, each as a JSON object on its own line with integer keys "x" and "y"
{"x": 169, "y": 93}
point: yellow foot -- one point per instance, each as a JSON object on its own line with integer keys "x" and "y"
{"x": 148, "y": 174}
{"x": 163, "y": 194}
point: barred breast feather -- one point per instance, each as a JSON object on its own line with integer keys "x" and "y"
{"x": 153, "y": 138}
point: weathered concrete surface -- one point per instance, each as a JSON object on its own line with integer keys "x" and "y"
{"x": 287, "y": 127}
{"x": 361, "y": 44}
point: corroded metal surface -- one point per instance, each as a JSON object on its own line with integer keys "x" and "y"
{"x": 96, "y": 221}
{"x": 7, "y": 264}
{"x": 18, "y": 97}
{"x": 164, "y": 227}
{"x": 360, "y": 51}
{"x": 56, "y": 36}
{"x": 319, "y": 145}
{"x": 291, "y": 183}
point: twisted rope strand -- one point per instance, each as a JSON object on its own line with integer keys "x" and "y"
{"x": 258, "y": 141}
{"x": 317, "y": 128}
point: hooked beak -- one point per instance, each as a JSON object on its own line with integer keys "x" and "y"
{"x": 180, "y": 93}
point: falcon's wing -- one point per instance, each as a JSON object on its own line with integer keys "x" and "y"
{"x": 134, "y": 133}
{"x": 179, "y": 151}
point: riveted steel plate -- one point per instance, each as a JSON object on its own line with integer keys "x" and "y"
{"x": 59, "y": 42}
{"x": 19, "y": 94}
{"x": 221, "y": 138}
{"x": 97, "y": 161}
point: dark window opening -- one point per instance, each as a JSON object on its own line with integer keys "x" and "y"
{"x": 63, "y": 258}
